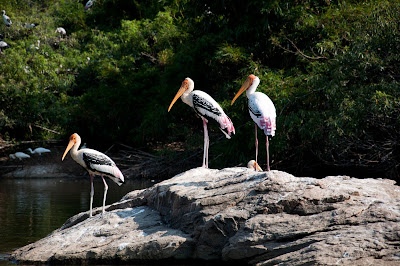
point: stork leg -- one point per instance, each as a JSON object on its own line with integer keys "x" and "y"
{"x": 267, "y": 146}
{"x": 255, "y": 166}
{"x": 91, "y": 194}
{"x": 206, "y": 144}
{"x": 105, "y": 193}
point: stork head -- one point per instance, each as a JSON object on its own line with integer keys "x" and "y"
{"x": 187, "y": 85}
{"x": 72, "y": 141}
{"x": 246, "y": 85}
{"x": 253, "y": 165}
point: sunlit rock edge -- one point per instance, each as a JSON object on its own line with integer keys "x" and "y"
{"x": 236, "y": 214}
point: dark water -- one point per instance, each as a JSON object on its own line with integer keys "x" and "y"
{"x": 30, "y": 209}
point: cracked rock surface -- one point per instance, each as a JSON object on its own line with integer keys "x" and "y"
{"x": 237, "y": 215}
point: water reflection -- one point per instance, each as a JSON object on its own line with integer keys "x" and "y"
{"x": 32, "y": 208}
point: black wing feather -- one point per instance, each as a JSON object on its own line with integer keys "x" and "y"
{"x": 91, "y": 159}
{"x": 200, "y": 103}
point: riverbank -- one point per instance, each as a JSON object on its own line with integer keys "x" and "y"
{"x": 46, "y": 165}
{"x": 133, "y": 163}
{"x": 235, "y": 215}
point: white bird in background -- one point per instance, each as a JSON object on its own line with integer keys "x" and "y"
{"x": 261, "y": 110}
{"x": 205, "y": 107}
{"x": 6, "y": 19}
{"x": 89, "y": 4}
{"x": 19, "y": 155}
{"x": 31, "y": 25}
{"x": 61, "y": 31}
{"x": 4, "y": 45}
{"x": 96, "y": 163}
{"x": 39, "y": 150}
{"x": 34, "y": 47}
{"x": 253, "y": 165}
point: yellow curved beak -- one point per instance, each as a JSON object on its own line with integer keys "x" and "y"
{"x": 70, "y": 145}
{"x": 256, "y": 166}
{"x": 244, "y": 87}
{"x": 181, "y": 90}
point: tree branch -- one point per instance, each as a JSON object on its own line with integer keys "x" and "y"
{"x": 298, "y": 51}
{"x": 48, "y": 129}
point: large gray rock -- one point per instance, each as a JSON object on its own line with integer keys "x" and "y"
{"x": 239, "y": 215}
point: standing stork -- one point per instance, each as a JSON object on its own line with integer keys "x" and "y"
{"x": 38, "y": 150}
{"x": 20, "y": 155}
{"x": 96, "y": 163}
{"x": 205, "y": 107}
{"x": 261, "y": 110}
{"x": 6, "y": 19}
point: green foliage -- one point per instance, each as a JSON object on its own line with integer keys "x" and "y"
{"x": 330, "y": 67}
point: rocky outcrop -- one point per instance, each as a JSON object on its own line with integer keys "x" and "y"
{"x": 238, "y": 215}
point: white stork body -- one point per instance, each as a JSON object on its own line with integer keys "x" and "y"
{"x": 89, "y": 4}
{"x": 61, "y": 31}
{"x": 263, "y": 112}
{"x": 19, "y": 155}
{"x": 39, "y": 150}
{"x": 6, "y": 19}
{"x": 4, "y": 45}
{"x": 261, "y": 109}
{"x": 31, "y": 25}
{"x": 206, "y": 107}
{"x": 96, "y": 163}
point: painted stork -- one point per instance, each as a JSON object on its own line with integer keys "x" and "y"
{"x": 261, "y": 110}
{"x": 253, "y": 165}
{"x": 205, "y": 107}
{"x": 96, "y": 163}
{"x": 19, "y": 155}
{"x": 4, "y": 45}
{"x": 61, "y": 31}
{"x": 89, "y": 4}
{"x": 31, "y": 25}
{"x": 6, "y": 19}
{"x": 39, "y": 150}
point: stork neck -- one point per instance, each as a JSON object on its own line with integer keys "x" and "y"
{"x": 253, "y": 87}
{"x": 187, "y": 97}
{"x": 74, "y": 150}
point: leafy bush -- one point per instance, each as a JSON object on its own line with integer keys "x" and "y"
{"x": 331, "y": 68}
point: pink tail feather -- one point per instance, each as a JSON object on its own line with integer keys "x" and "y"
{"x": 118, "y": 176}
{"x": 268, "y": 124}
{"x": 226, "y": 123}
